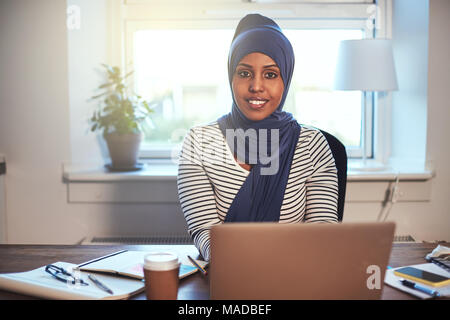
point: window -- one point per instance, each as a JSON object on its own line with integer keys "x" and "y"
{"x": 184, "y": 73}
{"x": 312, "y": 99}
{"x": 180, "y": 65}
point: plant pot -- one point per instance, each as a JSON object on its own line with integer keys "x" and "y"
{"x": 123, "y": 149}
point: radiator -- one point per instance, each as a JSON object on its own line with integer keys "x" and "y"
{"x": 141, "y": 240}
{"x": 177, "y": 239}
{"x": 403, "y": 239}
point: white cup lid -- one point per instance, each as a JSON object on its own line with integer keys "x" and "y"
{"x": 161, "y": 261}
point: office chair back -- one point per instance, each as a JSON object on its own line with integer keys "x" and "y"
{"x": 340, "y": 158}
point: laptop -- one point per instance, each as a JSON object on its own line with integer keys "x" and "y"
{"x": 271, "y": 261}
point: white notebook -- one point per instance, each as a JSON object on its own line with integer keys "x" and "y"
{"x": 39, "y": 283}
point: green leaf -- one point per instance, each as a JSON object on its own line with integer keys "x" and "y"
{"x": 128, "y": 74}
{"x": 98, "y": 96}
{"x": 117, "y": 110}
{"x": 106, "y": 85}
{"x": 108, "y": 67}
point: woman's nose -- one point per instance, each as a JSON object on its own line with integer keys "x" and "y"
{"x": 256, "y": 84}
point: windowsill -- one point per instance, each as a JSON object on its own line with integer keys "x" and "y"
{"x": 156, "y": 183}
{"x": 153, "y": 170}
{"x": 402, "y": 170}
{"x": 166, "y": 170}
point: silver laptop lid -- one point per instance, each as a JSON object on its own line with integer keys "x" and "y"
{"x": 299, "y": 261}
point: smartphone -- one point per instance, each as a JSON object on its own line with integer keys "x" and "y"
{"x": 429, "y": 278}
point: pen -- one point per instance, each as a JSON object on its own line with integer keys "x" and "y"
{"x": 99, "y": 284}
{"x": 203, "y": 271}
{"x": 415, "y": 286}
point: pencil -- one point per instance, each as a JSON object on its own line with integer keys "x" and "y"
{"x": 203, "y": 271}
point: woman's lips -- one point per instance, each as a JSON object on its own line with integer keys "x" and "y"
{"x": 256, "y": 103}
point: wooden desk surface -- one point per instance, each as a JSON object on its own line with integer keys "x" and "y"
{"x": 18, "y": 258}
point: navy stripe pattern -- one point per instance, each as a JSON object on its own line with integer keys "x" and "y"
{"x": 209, "y": 178}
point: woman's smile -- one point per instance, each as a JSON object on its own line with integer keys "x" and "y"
{"x": 257, "y": 103}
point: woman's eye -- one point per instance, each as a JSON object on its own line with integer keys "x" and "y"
{"x": 271, "y": 75}
{"x": 243, "y": 74}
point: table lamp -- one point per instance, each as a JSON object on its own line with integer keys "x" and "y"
{"x": 366, "y": 65}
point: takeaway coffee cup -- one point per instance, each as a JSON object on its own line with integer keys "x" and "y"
{"x": 161, "y": 275}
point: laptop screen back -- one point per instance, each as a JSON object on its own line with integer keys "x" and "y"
{"x": 299, "y": 261}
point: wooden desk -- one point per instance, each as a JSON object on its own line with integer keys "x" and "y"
{"x": 18, "y": 258}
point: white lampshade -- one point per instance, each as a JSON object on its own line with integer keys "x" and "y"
{"x": 366, "y": 65}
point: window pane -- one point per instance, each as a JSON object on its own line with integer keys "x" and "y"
{"x": 311, "y": 97}
{"x": 184, "y": 72}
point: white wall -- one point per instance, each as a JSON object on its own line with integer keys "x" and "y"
{"x": 437, "y": 215}
{"x": 420, "y": 114}
{"x": 43, "y": 87}
{"x": 431, "y": 220}
{"x": 87, "y": 49}
{"x": 34, "y": 117}
{"x": 410, "y": 45}
{"x": 43, "y": 109}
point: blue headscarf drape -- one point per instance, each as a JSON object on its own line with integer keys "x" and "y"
{"x": 261, "y": 195}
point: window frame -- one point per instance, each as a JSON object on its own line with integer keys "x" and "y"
{"x": 135, "y": 15}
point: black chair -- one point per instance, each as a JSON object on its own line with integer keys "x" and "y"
{"x": 340, "y": 158}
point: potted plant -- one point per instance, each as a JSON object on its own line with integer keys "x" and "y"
{"x": 120, "y": 117}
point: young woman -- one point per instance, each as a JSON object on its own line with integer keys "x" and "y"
{"x": 256, "y": 163}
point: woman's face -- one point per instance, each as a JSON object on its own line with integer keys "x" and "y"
{"x": 257, "y": 86}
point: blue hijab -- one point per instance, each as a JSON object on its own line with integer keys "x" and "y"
{"x": 261, "y": 195}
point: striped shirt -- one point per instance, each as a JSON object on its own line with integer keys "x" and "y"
{"x": 209, "y": 178}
